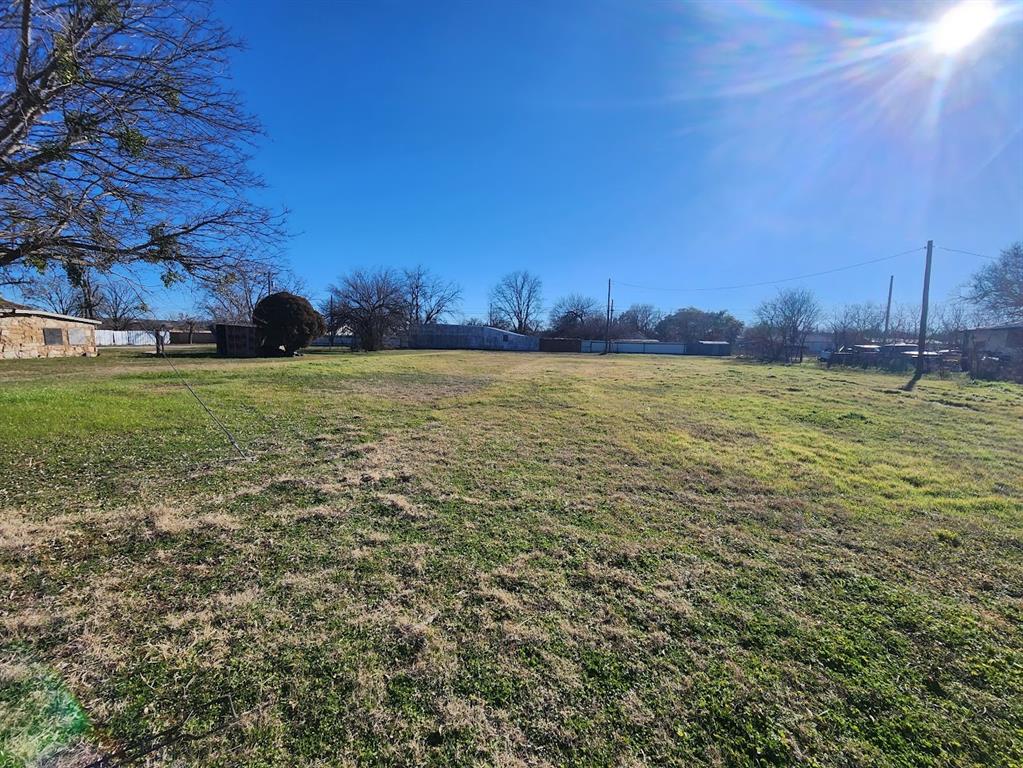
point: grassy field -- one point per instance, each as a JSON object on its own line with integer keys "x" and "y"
{"x": 459, "y": 558}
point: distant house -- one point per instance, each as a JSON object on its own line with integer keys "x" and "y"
{"x": 996, "y": 341}
{"x": 816, "y": 342}
{"x": 28, "y": 332}
{"x": 995, "y": 352}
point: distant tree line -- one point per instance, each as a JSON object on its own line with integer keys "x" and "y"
{"x": 376, "y": 304}
{"x": 580, "y": 317}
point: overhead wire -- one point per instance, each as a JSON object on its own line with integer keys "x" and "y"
{"x": 780, "y": 280}
{"x": 783, "y": 279}
{"x": 967, "y": 253}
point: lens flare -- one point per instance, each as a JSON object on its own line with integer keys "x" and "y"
{"x": 962, "y": 25}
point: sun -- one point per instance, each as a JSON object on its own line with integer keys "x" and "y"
{"x": 961, "y": 25}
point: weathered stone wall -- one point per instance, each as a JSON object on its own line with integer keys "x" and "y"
{"x": 22, "y": 336}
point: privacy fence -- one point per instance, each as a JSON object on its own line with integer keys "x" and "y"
{"x": 129, "y": 338}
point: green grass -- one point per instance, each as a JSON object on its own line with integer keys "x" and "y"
{"x": 437, "y": 558}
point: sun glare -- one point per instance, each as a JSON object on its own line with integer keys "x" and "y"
{"x": 961, "y": 25}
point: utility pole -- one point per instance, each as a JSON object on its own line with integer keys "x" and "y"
{"x": 607, "y": 328}
{"x": 888, "y": 310}
{"x": 922, "y": 342}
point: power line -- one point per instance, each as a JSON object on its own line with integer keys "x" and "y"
{"x": 781, "y": 280}
{"x": 967, "y": 253}
{"x": 786, "y": 279}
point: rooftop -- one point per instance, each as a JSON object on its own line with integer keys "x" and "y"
{"x": 1005, "y": 327}
{"x": 9, "y": 308}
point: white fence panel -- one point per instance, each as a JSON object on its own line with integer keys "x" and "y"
{"x": 129, "y": 338}
{"x": 635, "y": 347}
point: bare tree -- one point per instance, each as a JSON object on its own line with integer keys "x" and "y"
{"x": 427, "y": 297}
{"x": 231, "y": 296}
{"x": 372, "y": 304}
{"x": 497, "y": 319}
{"x": 577, "y": 316}
{"x": 82, "y": 292}
{"x": 856, "y": 324}
{"x": 191, "y": 322}
{"x": 784, "y": 322}
{"x": 949, "y": 320}
{"x": 843, "y": 327}
{"x": 516, "y": 301}
{"x": 333, "y": 320}
{"x": 121, "y": 306}
{"x": 119, "y": 143}
{"x": 905, "y": 322}
{"x": 53, "y": 291}
{"x": 997, "y": 289}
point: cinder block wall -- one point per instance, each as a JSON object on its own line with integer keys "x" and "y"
{"x": 21, "y": 336}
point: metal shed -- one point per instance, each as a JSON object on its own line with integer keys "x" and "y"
{"x": 443, "y": 336}
{"x": 236, "y": 339}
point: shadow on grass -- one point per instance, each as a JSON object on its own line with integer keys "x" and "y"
{"x": 202, "y": 352}
{"x": 909, "y": 385}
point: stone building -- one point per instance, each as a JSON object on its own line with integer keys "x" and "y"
{"x": 27, "y": 332}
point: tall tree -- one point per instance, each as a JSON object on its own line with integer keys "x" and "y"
{"x": 85, "y": 294}
{"x": 578, "y": 317}
{"x": 191, "y": 322}
{"x": 997, "y": 288}
{"x": 372, "y": 304}
{"x": 428, "y": 298}
{"x": 517, "y": 301}
{"x": 784, "y": 322}
{"x": 856, "y": 324}
{"x": 905, "y": 322}
{"x": 121, "y": 306}
{"x": 119, "y": 141}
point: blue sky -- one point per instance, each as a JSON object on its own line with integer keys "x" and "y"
{"x": 668, "y": 145}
